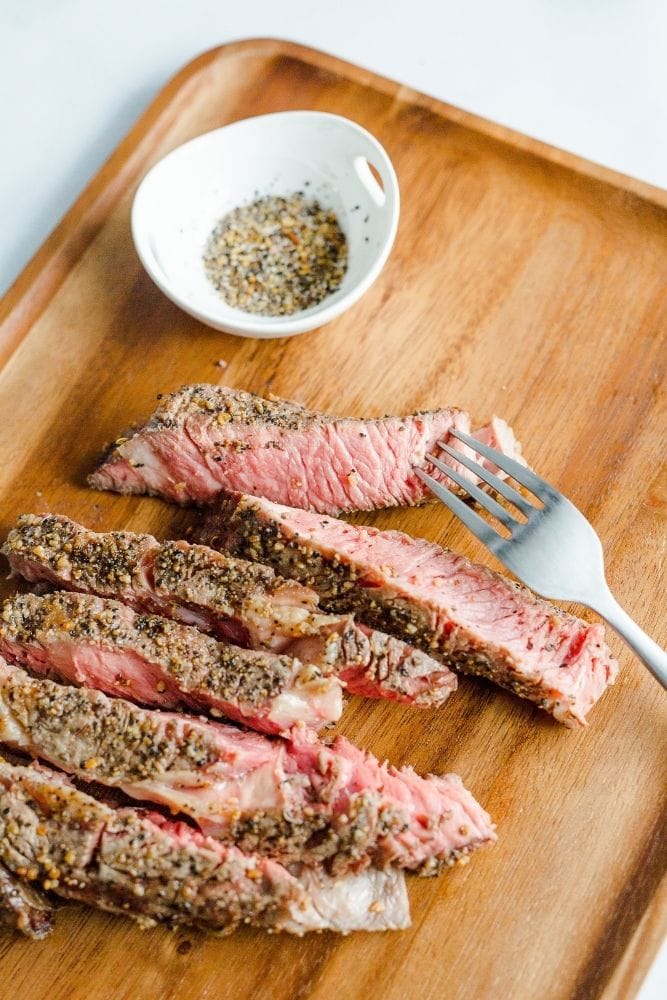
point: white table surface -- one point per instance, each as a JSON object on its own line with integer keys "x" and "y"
{"x": 586, "y": 75}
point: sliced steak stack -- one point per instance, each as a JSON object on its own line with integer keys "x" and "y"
{"x": 277, "y": 829}
{"x": 154, "y": 870}
{"x": 91, "y": 640}
{"x": 476, "y": 620}
{"x": 296, "y": 800}
{"x": 204, "y": 439}
{"x": 230, "y": 598}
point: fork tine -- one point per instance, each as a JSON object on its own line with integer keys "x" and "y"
{"x": 540, "y": 487}
{"x": 495, "y": 482}
{"x": 482, "y": 498}
{"x": 473, "y": 521}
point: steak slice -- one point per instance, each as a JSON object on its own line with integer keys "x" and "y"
{"x": 154, "y": 870}
{"x": 231, "y": 598}
{"x": 475, "y": 619}
{"x": 23, "y": 908}
{"x": 205, "y": 439}
{"x": 103, "y": 643}
{"x": 297, "y": 799}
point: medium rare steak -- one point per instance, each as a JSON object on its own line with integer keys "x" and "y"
{"x": 475, "y": 619}
{"x": 204, "y": 439}
{"x": 23, "y": 908}
{"x": 155, "y": 870}
{"x": 296, "y": 799}
{"x": 231, "y": 598}
{"x": 103, "y": 643}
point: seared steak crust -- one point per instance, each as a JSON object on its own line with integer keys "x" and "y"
{"x": 232, "y": 406}
{"x": 139, "y": 569}
{"x": 477, "y": 621}
{"x": 234, "y": 599}
{"x": 158, "y": 661}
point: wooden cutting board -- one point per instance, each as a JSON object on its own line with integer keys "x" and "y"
{"x": 525, "y": 282}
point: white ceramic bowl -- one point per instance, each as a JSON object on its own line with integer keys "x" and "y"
{"x": 183, "y": 196}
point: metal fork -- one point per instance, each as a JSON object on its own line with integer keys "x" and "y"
{"x": 555, "y": 551}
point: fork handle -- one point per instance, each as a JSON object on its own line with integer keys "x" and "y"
{"x": 648, "y": 651}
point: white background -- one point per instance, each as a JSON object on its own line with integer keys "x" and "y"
{"x": 587, "y": 75}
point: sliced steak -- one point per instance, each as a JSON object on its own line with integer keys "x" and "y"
{"x": 150, "y": 659}
{"x": 475, "y": 619}
{"x": 23, "y": 908}
{"x": 231, "y": 598}
{"x": 154, "y": 870}
{"x": 204, "y": 439}
{"x": 297, "y": 799}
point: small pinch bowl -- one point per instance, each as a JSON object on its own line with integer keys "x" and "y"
{"x": 325, "y": 156}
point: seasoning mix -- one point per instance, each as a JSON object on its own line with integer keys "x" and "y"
{"x": 277, "y": 255}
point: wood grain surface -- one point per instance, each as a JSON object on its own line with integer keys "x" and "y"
{"x": 523, "y": 282}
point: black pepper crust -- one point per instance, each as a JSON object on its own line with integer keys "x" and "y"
{"x": 150, "y": 575}
{"x": 197, "y": 576}
{"x": 113, "y": 562}
{"x": 105, "y": 739}
{"x": 188, "y": 661}
{"x": 57, "y": 837}
{"x": 178, "y": 564}
{"x": 222, "y": 405}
